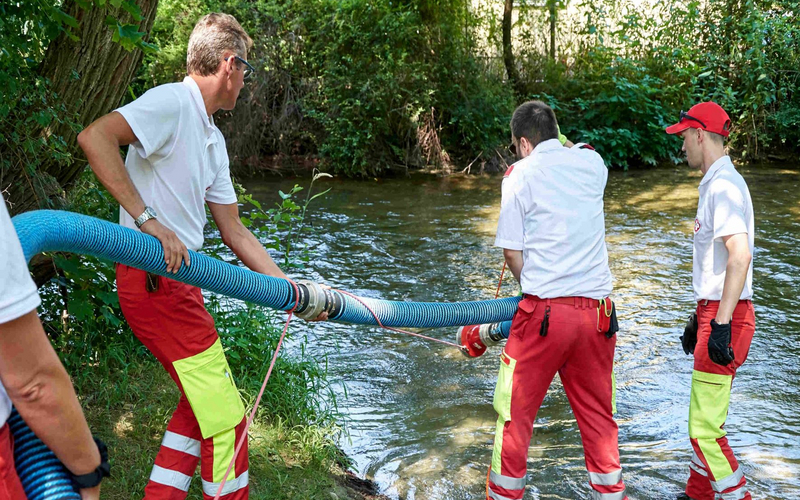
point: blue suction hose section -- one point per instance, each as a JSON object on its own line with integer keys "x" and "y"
{"x": 40, "y": 472}
{"x": 49, "y": 230}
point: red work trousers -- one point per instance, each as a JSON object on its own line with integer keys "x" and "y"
{"x": 584, "y": 359}
{"x": 173, "y": 324}
{"x": 714, "y": 473}
{"x": 10, "y": 486}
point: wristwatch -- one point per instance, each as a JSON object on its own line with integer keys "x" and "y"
{"x": 148, "y": 214}
{"x": 93, "y": 478}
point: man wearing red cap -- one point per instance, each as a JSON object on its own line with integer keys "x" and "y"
{"x": 720, "y": 332}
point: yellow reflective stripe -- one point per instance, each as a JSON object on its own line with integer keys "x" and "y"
{"x": 224, "y": 446}
{"x": 169, "y": 477}
{"x": 231, "y": 485}
{"x": 613, "y": 392}
{"x": 505, "y": 382}
{"x": 708, "y": 411}
{"x": 498, "y": 445}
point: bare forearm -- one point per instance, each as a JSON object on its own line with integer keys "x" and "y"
{"x": 253, "y": 254}
{"x": 735, "y": 277}
{"x": 514, "y": 261}
{"x": 42, "y": 392}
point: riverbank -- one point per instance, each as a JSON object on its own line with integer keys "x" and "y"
{"x": 130, "y": 409}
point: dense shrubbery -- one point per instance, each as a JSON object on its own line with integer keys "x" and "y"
{"x": 621, "y": 86}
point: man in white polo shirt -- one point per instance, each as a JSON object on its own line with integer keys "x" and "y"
{"x": 35, "y": 379}
{"x": 720, "y": 332}
{"x": 176, "y": 165}
{"x": 552, "y": 231}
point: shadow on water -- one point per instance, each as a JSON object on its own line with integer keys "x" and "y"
{"x": 421, "y": 420}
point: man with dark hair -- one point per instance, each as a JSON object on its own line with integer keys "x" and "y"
{"x": 552, "y": 231}
{"x": 721, "y": 330}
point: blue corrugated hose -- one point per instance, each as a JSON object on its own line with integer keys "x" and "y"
{"x": 50, "y": 231}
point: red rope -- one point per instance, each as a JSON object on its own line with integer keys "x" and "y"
{"x": 500, "y": 283}
{"x": 397, "y": 329}
{"x": 261, "y": 393}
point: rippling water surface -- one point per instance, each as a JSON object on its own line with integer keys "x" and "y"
{"x": 421, "y": 421}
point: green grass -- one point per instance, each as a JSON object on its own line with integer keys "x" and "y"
{"x": 130, "y": 410}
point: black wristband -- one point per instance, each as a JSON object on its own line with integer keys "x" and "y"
{"x": 93, "y": 478}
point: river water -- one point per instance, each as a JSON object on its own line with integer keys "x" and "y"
{"x": 420, "y": 414}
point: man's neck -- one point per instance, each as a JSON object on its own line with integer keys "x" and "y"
{"x": 710, "y": 157}
{"x": 208, "y": 86}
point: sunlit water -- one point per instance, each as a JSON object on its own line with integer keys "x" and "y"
{"x": 420, "y": 414}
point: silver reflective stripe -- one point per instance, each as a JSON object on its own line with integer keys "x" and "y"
{"x": 698, "y": 469}
{"x": 596, "y": 495}
{"x": 497, "y": 496}
{"x": 185, "y": 444}
{"x": 508, "y": 482}
{"x": 237, "y": 484}
{"x": 697, "y": 460}
{"x": 728, "y": 482}
{"x": 607, "y": 479}
{"x": 733, "y": 495}
{"x": 172, "y": 478}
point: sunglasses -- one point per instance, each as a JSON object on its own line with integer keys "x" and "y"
{"x": 513, "y": 148}
{"x": 687, "y": 116}
{"x": 248, "y": 70}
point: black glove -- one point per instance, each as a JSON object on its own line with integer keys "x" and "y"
{"x": 719, "y": 344}
{"x": 689, "y": 337}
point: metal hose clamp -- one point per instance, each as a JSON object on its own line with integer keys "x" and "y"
{"x": 316, "y": 301}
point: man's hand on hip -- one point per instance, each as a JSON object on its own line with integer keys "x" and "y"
{"x": 175, "y": 252}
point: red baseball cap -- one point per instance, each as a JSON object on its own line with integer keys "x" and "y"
{"x": 706, "y": 116}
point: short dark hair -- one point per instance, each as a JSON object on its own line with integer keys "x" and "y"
{"x": 535, "y": 121}
{"x": 720, "y": 140}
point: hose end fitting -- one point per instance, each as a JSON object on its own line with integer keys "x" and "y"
{"x": 312, "y": 302}
{"x": 475, "y": 339}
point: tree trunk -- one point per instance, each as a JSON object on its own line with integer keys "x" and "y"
{"x": 104, "y": 71}
{"x": 552, "y": 7}
{"x": 508, "y": 50}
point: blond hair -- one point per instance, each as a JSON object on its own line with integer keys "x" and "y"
{"x": 213, "y": 35}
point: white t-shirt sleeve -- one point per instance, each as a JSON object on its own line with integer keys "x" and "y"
{"x": 511, "y": 224}
{"x": 18, "y": 294}
{"x": 154, "y": 118}
{"x": 221, "y": 190}
{"x": 728, "y": 204}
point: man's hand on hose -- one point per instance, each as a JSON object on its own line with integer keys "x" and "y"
{"x": 323, "y": 316}
{"x": 689, "y": 337}
{"x": 175, "y": 251}
{"x": 719, "y": 343}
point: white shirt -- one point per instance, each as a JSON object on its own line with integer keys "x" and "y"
{"x": 724, "y": 209}
{"x": 179, "y": 160}
{"x": 552, "y": 210}
{"x": 18, "y": 295}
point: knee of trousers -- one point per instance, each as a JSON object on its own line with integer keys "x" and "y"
{"x": 208, "y": 384}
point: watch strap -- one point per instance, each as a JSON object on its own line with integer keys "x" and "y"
{"x": 94, "y": 478}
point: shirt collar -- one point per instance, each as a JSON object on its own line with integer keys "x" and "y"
{"x": 547, "y": 145}
{"x": 197, "y": 98}
{"x": 720, "y": 163}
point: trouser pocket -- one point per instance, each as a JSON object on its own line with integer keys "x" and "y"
{"x": 208, "y": 384}
{"x": 502, "y": 392}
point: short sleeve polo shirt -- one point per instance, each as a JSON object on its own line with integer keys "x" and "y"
{"x": 552, "y": 211}
{"x": 179, "y": 160}
{"x": 724, "y": 209}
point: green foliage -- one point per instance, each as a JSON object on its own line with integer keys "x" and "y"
{"x": 367, "y": 86}
{"x": 622, "y": 86}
